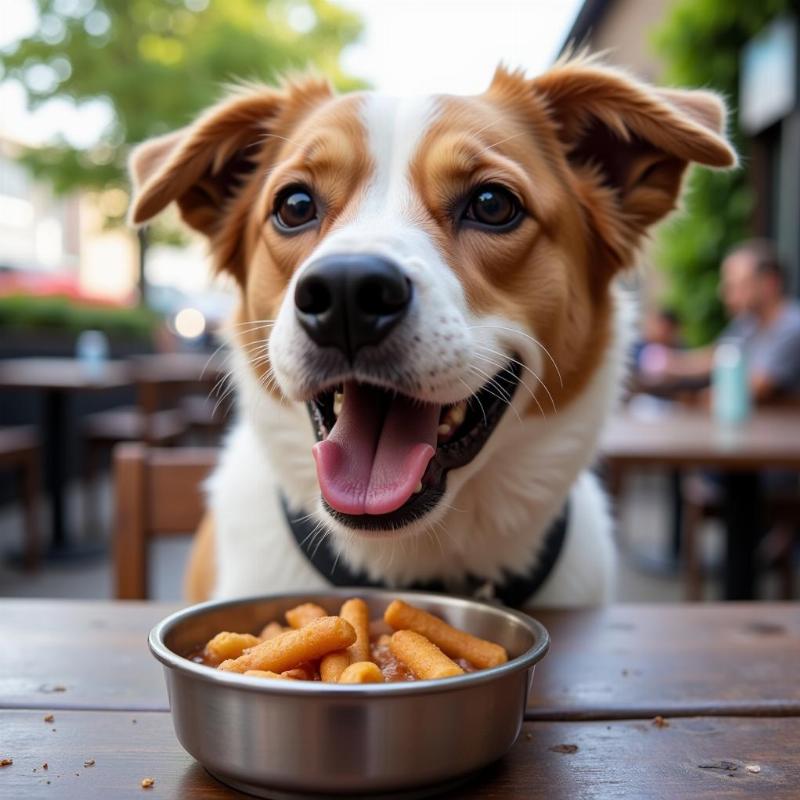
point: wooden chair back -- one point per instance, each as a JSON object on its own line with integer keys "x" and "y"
{"x": 157, "y": 492}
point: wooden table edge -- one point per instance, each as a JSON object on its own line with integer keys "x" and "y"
{"x": 764, "y": 709}
{"x": 547, "y": 714}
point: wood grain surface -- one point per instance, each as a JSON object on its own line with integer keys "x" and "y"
{"x": 617, "y": 662}
{"x": 639, "y": 661}
{"x": 66, "y": 374}
{"x": 80, "y": 654}
{"x": 690, "y": 438}
{"x": 689, "y": 758}
{"x": 87, "y": 665}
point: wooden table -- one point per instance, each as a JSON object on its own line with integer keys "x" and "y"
{"x": 56, "y": 379}
{"x": 725, "y": 678}
{"x": 681, "y": 438}
{"x": 190, "y": 367}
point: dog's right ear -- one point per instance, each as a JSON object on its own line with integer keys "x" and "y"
{"x": 200, "y": 167}
{"x": 628, "y": 144}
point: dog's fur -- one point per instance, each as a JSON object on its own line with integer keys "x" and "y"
{"x": 595, "y": 158}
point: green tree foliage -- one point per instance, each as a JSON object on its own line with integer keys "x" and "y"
{"x": 701, "y": 42}
{"x": 157, "y": 63}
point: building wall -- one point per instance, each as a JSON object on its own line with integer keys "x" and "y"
{"x": 41, "y": 232}
{"x": 35, "y": 226}
{"x": 624, "y": 32}
{"x": 109, "y": 256}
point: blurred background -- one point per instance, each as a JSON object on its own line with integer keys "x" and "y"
{"x": 108, "y": 336}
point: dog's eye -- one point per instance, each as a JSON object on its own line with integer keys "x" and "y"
{"x": 295, "y": 207}
{"x": 493, "y": 207}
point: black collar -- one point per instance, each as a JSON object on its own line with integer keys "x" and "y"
{"x": 513, "y": 591}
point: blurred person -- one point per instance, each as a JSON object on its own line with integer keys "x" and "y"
{"x": 662, "y": 328}
{"x": 764, "y": 322}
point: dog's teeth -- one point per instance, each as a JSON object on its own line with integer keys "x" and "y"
{"x": 338, "y": 399}
{"x": 457, "y": 414}
{"x": 418, "y": 488}
{"x": 453, "y": 417}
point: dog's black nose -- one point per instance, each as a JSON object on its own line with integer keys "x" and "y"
{"x": 348, "y": 301}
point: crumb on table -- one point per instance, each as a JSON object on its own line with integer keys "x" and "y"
{"x": 147, "y": 783}
{"x": 570, "y": 749}
{"x": 660, "y": 722}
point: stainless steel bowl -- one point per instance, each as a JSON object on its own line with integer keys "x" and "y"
{"x": 283, "y": 739}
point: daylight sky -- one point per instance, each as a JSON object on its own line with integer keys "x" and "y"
{"x": 408, "y": 46}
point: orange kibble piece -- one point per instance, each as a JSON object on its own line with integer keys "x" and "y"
{"x": 451, "y": 641}
{"x": 422, "y": 656}
{"x": 355, "y": 611}
{"x": 301, "y": 615}
{"x": 291, "y": 648}
{"x": 333, "y": 665}
{"x": 362, "y": 672}
{"x": 229, "y": 645}
{"x": 265, "y": 673}
{"x": 270, "y": 630}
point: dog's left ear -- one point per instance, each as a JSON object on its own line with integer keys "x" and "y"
{"x": 198, "y": 167}
{"x": 202, "y": 168}
{"x": 630, "y": 145}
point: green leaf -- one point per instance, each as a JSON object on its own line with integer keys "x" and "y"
{"x": 158, "y": 63}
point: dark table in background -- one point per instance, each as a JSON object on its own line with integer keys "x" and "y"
{"x": 686, "y": 439}
{"x": 57, "y": 379}
{"x": 724, "y": 677}
{"x": 191, "y": 367}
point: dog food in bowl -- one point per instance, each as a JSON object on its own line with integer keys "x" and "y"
{"x": 294, "y": 736}
{"x": 408, "y": 644}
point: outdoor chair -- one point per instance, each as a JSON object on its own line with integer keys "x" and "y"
{"x": 19, "y": 451}
{"x": 157, "y": 492}
{"x": 782, "y": 509}
{"x": 173, "y": 400}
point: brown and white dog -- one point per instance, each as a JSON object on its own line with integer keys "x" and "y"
{"x": 427, "y": 288}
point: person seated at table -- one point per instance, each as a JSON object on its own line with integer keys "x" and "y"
{"x": 661, "y": 329}
{"x": 764, "y": 321}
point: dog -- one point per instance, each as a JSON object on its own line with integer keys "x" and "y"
{"x": 429, "y": 335}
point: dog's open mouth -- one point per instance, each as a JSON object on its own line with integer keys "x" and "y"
{"x": 382, "y": 457}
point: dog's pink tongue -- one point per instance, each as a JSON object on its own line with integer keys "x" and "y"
{"x": 375, "y": 456}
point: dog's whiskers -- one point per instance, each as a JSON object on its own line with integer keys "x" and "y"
{"x": 472, "y": 396}
{"x": 311, "y": 534}
{"x": 336, "y": 560}
{"x": 451, "y": 507}
{"x": 255, "y": 323}
{"x": 304, "y": 518}
{"x": 327, "y": 531}
{"x": 533, "y": 339}
{"x": 523, "y": 366}
{"x": 212, "y": 357}
{"x": 503, "y": 397}
{"x": 500, "y": 366}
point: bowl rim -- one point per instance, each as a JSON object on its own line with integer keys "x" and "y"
{"x": 181, "y": 664}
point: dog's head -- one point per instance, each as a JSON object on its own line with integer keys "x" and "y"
{"x": 409, "y": 268}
